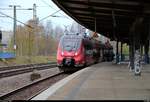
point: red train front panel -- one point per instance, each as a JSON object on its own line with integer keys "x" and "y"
{"x": 70, "y": 52}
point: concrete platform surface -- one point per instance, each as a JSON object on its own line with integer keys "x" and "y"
{"x": 103, "y": 81}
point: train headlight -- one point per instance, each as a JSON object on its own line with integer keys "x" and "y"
{"x": 62, "y": 53}
{"x": 76, "y": 54}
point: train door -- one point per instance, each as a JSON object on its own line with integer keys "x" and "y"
{"x": 88, "y": 52}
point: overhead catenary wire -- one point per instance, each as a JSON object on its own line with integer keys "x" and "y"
{"x": 46, "y": 3}
{"x": 48, "y": 16}
{"x": 5, "y": 8}
{"x": 55, "y": 9}
{"x": 16, "y": 20}
{"x": 2, "y": 16}
{"x": 16, "y": 9}
{"x": 30, "y": 8}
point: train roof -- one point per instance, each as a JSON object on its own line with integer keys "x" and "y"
{"x": 86, "y": 38}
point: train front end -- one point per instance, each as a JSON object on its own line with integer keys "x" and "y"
{"x": 70, "y": 52}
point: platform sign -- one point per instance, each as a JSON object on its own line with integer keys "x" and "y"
{"x": 7, "y": 55}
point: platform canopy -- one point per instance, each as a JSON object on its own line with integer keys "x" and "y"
{"x": 112, "y": 18}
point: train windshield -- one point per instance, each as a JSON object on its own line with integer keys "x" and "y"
{"x": 70, "y": 44}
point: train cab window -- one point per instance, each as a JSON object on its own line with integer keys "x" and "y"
{"x": 70, "y": 44}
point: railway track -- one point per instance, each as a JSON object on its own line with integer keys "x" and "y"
{"x": 15, "y": 70}
{"x": 4, "y": 68}
{"x": 29, "y": 91}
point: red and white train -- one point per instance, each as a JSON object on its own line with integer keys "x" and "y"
{"x": 76, "y": 51}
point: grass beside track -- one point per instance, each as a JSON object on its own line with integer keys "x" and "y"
{"x": 19, "y": 60}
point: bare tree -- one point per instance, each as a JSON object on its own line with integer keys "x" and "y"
{"x": 49, "y": 28}
{"x": 58, "y": 33}
{"x": 37, "y": 41}
{"x": 77, "y": 28}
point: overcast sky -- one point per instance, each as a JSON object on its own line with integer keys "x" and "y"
{"x": 44, "y": 8}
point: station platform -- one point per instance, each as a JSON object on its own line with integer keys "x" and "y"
{"x": 103, "y": 81}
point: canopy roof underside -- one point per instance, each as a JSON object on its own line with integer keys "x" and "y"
{"x": 111, "y": 18}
